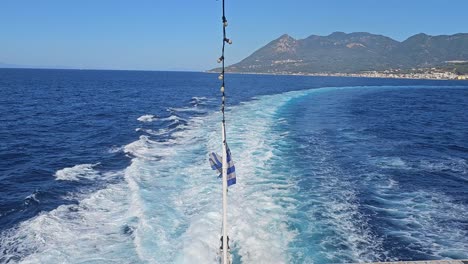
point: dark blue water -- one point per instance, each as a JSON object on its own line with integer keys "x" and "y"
{"x": 375, "y": 170}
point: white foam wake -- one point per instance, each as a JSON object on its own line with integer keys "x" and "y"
{"x": 427, "y": 222}
{"x": 147, "y": 118}
{"x": 77, "y": 172}
{"x": 92, "y": 231}
{"x": 168, "y": 208}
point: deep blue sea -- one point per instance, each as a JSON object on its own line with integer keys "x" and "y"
{"x": 112, "y": 167}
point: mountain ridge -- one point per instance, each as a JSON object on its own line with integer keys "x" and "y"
{"x": 353, "y": 53}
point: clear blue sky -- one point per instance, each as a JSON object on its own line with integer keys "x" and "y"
{"x": 185, "y": 34}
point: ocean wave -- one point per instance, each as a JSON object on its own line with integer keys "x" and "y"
{"x": 77, "y": 172}
{"x": 116, "y": 149}
{"x": 147, "y": 118}
{"x": 331, "y": 224}
{"x": 170, "y": 124}
{"x": 32, "y": 199}
{"x": 455, "y": 165}
{"x": 430, "y": 223}
{"x": 186, "y": 110}
{"x": 198, "y": 100}
{"x": 89, "y": 231}
{"x": 390, "y": 162}
{"x": 143, "y": 148}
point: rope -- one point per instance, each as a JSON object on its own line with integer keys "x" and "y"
{"x": 222, "y": 59}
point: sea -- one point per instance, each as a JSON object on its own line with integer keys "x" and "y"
{"x": 112, "y": 167}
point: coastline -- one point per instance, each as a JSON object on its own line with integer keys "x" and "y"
{"x": 442, "y": 76}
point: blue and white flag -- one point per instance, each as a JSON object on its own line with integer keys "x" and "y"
{"x": 216, "y": 164}
{"x": 231, "y": 171}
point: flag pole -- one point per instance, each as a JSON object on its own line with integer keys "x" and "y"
{"x": 224, "y": 238}
{"x": 225, "y": 168}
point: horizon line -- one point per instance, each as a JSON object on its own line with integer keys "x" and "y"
{"x": 91, "y": 69}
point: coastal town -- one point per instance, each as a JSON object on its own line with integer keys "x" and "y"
{"x": 425, "y": 74}
{"x": 430, "y": 74}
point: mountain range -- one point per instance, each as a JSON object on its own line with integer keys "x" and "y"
{"x": 354, "y": 52}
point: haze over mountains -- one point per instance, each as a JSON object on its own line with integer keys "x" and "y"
{"x": 354, "y": 52}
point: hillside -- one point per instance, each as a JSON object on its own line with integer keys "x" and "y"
{"x": 353, "y": 53}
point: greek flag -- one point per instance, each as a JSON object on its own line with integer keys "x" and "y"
{"x": 231, "y": 171}
{"x": 216, "y": 164}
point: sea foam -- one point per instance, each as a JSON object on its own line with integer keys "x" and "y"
{"x": 147, "y": 118}
{"x": 77, "y": 172}
{"x": 168, "y": 209}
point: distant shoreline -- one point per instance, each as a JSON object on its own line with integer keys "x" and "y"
{"x": 441, "y": 76}
{"x": 444, "y": 76}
